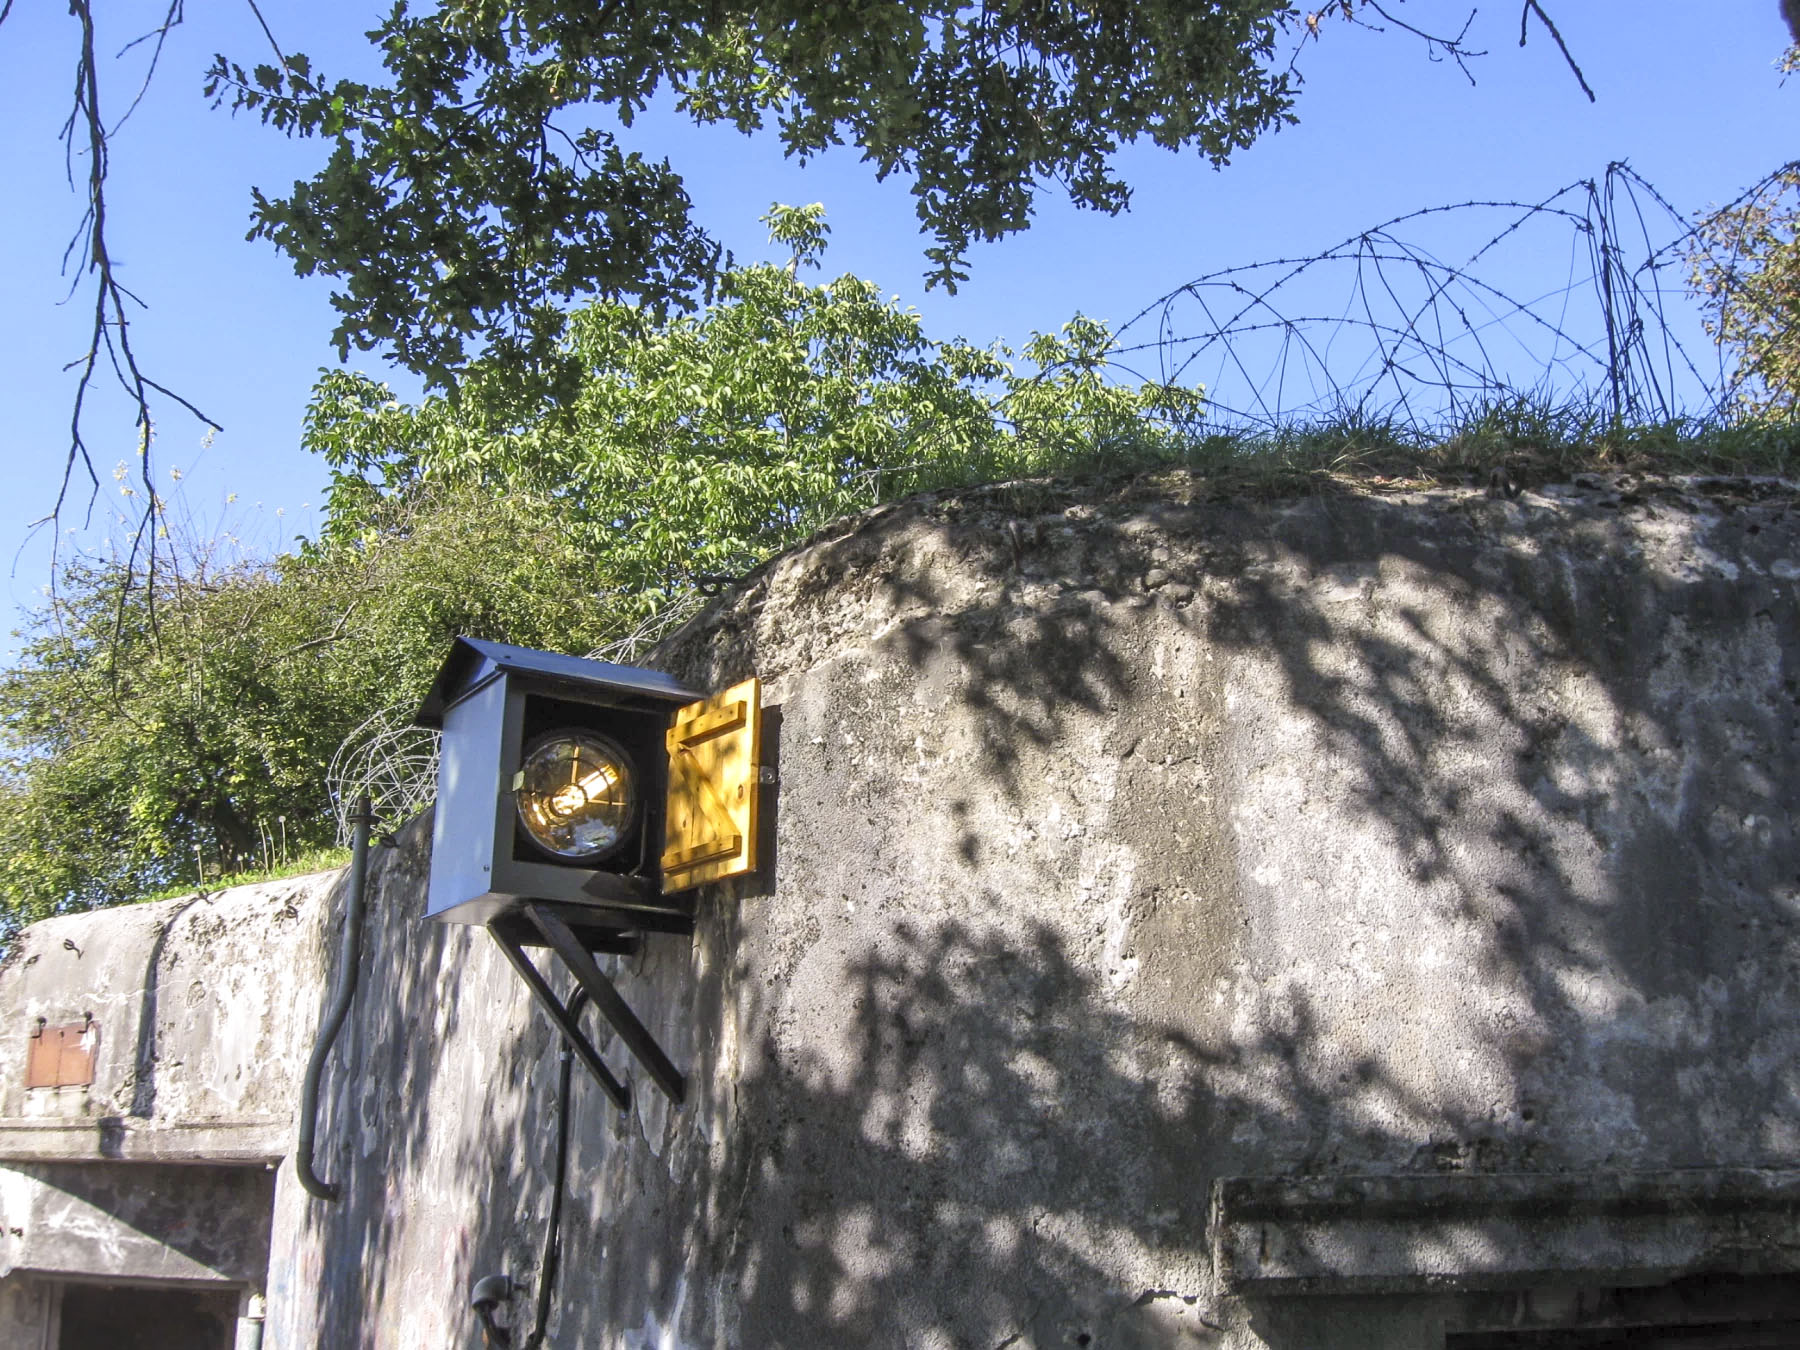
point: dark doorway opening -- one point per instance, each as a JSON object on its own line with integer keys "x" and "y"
{"x": 125, "y": 1317}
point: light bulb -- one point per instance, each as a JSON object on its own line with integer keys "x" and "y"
{"x": 576, "y": 794}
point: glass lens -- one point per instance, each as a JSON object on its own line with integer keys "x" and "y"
{"x": 576, "y": 796}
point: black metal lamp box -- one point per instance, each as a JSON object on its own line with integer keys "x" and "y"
{"x": 508, "y": 712}
{"x": 576, "y": 799}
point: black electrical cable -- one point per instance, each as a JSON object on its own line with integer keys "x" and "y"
{"x": 552, "y": 1258}
{"x": 349, "y": 963}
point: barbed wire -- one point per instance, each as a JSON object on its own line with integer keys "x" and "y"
{"x": 1381, "y": 326}
{"x": 391, "y": 760}
{"x": 636, "y": 644}
{"x": 1378, "y": 328}
{"x": 395, "y": 762}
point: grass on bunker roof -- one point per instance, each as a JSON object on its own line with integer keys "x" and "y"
{"x": 1512, "y": 442}
{"x": 1518, "y": 440}
{"x": 299, "y": 865}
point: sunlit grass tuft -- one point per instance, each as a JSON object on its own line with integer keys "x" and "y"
{"x": 1535, "y": 439}
{"x": 301, "y": 864}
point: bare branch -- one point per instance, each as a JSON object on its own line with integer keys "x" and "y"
{"x": 1533, "y": 7}
{"x": 160, "y": 34}
{"x": 1437, "y": 45}
{"x": 336, "y": 634}
{"x": 275, "y": 46}
{"x": 109, "y": 337}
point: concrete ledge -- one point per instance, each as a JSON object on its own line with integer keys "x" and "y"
{"x": 122, "y": 1139}
{"x": 1299, "y": 1235}
{"x": 125, "y": 1222}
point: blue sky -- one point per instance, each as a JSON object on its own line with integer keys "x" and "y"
{"x": 1688, "y": 94}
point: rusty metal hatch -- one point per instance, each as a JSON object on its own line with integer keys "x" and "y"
{"x": 62, "y": 1056}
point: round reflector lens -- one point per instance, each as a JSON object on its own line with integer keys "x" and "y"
{"x": 576, "y": 795}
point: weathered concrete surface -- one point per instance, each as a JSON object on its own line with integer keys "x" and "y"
{"x": 204, "y": 1008}
{"x": 1414, "y": 1233}
{"x": 28, "y": 1313}
{"x": 128, "y": 1222}
{"x": 1125, "y": 841}
{"x": 1120, "y": 845}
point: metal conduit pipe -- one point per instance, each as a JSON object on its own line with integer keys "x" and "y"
{"x": 349, "y": 961}
{"x": 493, "y": 1290}
{"x": 552, "y": 1258}
{"x": 250, "y": 1328}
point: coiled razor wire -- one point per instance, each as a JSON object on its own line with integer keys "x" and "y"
{"x": 636, "y": 644}
{"x": 1377, "y": 328}
{"x": 1382, "y": 327}
{"x": 390, "y": 759}
{"x": 395, "y": 762}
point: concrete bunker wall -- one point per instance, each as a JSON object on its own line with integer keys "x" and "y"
{"x": 159, "y": 1174}
{"x": 1316, "y": 921}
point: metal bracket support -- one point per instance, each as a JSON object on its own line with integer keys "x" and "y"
{"x": 575, "y": 954}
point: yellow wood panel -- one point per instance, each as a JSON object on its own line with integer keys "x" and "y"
{"x": 715, "y": 757}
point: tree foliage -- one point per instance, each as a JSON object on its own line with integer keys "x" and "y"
{"x": 156, "y": 731}
{"x": 699, "y": 444}
{"x": 488, "y": 180}
{"x": 488, "y": 183}
{"x": 1746, "y": 268}
{"x": 156, "y": 728}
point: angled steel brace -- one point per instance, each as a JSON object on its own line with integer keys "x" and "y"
{"x": 633, "y": 1033}
{"x": 507, "y": 938}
